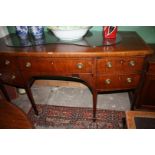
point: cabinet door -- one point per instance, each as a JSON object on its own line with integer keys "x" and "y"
{"x": 147, "y": 94}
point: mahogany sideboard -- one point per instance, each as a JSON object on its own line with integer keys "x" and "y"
{"x": 104, "y": 68}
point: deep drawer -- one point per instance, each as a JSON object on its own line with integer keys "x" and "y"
{"x": 117, "y": 82}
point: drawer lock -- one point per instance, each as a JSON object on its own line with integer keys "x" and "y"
{"x": 80, "y": 65}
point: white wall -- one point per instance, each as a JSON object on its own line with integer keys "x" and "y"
{"x": 3, "y": 31}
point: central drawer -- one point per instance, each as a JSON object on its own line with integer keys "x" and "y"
{"x": 56, "y": 65}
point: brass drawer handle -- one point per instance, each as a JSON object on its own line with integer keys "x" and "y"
{"x": 132, "y": 63}
{"x": 80, "y": 65}
{"x": 28, "y": 65}
{"x": 13, "y": 77}
{"x": 7, "y": 62}
{"x": 129, "y": 80}
{"x": 109, "y": 64}
{"x": 107, "y": 81}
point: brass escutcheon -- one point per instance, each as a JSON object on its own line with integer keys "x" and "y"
{"x": 109, "y": 64}
{"x": 129, "y": 80}
{"x": 28, "y": 64}
{"x": 107, "y": 81}
{"x": 80, "y": 65}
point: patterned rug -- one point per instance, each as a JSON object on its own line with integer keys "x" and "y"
{"x": 58, "y": 117}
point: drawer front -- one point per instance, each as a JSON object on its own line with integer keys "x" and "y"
{"x": 119, "y": 65}
{"x": 12, "y": 78}
{"x": 8, "y": 63}
{"x": 117, "y": 82}
{"x": 56, "y": 65}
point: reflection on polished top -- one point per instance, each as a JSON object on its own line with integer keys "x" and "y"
{"x": 91, "y": 39}
{"x": 131, "y": 44}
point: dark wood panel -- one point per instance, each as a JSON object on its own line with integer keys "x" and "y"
{"x": 117, "y": 82}
{"x": 147, "y": 95}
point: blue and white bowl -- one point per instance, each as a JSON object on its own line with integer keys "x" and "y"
{"x": 22, "y": 31}
{"x": 37, "y": 31}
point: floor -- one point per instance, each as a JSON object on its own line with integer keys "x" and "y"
{"x": 74, "y": 97}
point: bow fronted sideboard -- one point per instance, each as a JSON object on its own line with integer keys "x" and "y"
{"x": 101, "y": 68}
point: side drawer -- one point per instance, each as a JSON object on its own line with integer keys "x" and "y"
{"x": 117, "y": 82}
{"x": 8, "y": 63}
{"x": 56, "y": 65}
{"x": 119, "y": 65}
{"x": 12, "y": 78}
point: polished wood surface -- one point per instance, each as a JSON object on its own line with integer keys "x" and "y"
{"x": 11, "y": 117}
{"x": 131, "y": 45}
{"x": 105, "y": 68}
{"x": 130, "y": 116}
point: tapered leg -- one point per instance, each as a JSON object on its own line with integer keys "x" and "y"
{"x": 94, "y": 104}
{"x": 4, "y": 91}
{"x": 30, "y": 96}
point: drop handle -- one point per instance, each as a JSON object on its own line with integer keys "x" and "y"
{"x": 129, "y": 80}
{"x": 13, "y": 77}
{"x": 7, "y": 62}
{"x": 132, "y": 63}
{"x": 107, "y": 81}
{"x": 28, "y": 65}
{"x": 109, "y": 64}
{"x": 80, "y": 65}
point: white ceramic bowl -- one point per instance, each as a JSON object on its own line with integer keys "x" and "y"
{"x": 69, "y": 33}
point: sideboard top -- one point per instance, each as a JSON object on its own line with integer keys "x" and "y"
{"x": 131, "y": 44}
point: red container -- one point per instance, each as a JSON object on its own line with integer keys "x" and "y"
{"x": 109, "y": 32}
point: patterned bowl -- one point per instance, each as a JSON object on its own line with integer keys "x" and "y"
{"x": 69, "y": 33}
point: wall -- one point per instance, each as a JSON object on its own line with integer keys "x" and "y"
{"x": 146, "y": 32}
{"x": 3, "y": 31}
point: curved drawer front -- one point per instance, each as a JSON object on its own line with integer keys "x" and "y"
{"x": 56, "y": 65}
{"x": 120, "y": 65}
{"x": 12, "y": 78}
{"x": 117, "y": 82}
{"x": 8, "y": 63}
